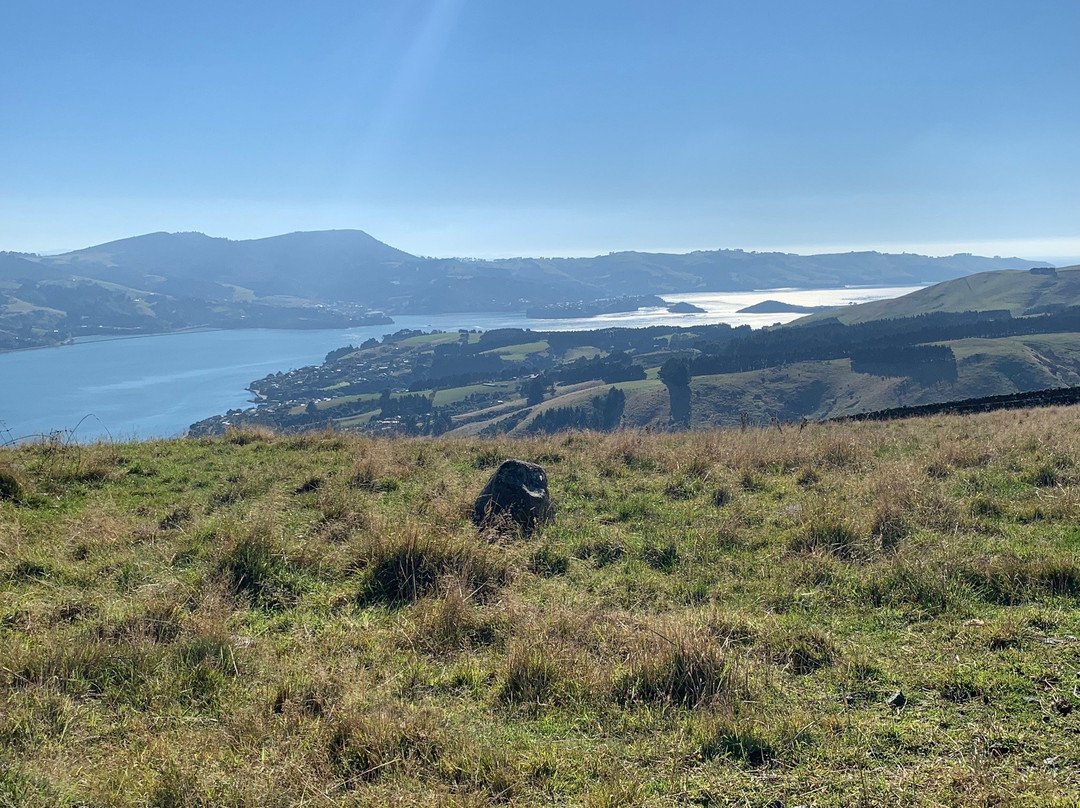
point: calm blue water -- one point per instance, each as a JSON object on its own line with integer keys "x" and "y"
{"x": 157, "y": 386}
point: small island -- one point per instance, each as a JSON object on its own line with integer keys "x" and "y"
{"x": 779, "y": 307}
{"x": 685, "y": 308}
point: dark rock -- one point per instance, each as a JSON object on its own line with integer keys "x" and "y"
{"x": 897, "y": 699}
{"x": 517, "y": 491}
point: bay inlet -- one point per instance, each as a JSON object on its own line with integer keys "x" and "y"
{"x": 156, "y": 386}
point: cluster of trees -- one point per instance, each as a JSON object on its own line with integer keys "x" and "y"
{"x": 413, "y": 414}
{"x": 338, "y": 353}
{"x": 615, "y": 367}
{"x": 675, "y": 374}
{"x": 925, "y": 363}
{"x": 602, "y": 413}
{"x": 413, "y": 404}
{"x": 880, "y": 339}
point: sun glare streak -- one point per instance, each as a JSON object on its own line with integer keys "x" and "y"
{"x": 416, "y": 66}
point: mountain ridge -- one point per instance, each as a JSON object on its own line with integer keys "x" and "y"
{"x": 352, "y": 265}
{"x": 163, "y": 281}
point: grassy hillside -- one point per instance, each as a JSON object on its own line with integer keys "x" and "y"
{"x": 1021, "y": 292}
{"x": 819, "y": 390}
{"x": 717, "y": 618}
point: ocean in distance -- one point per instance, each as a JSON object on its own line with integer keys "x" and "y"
{"x": 158, "y": 385}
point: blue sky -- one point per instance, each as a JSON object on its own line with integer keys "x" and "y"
{"x": 495, "y": 127}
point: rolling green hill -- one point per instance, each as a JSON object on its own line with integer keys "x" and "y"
{"x": 1035, "y": 291}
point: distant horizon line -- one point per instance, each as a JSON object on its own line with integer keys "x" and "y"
{"x": 925, "y": 249}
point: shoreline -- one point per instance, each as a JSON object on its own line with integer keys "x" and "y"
{"x": 464, "y": 314}
{"x": 159, "y": 388}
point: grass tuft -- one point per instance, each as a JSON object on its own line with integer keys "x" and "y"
{"x": 685, "y": 670}
{"x": 801, "y": 650}
{"x": 832, "y": 534}
{"x": 12, "y": 486}
{"x": 255, "y": 568}
{"x": 365, "y": 746}
{"x": 531, "y": 679}
{"x": 403, "y": 567}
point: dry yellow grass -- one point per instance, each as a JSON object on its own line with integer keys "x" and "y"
{"x": 714, "y": 618}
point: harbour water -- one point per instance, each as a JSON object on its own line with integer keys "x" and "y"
{"x": 156, "y": 386}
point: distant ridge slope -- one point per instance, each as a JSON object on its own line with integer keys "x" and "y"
{"x": 327, "y": 264}
{"x": 1035, "y": 291}
{"x": 352, "y": 266}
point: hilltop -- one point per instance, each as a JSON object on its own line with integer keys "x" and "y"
{"x": 719, "y": 618}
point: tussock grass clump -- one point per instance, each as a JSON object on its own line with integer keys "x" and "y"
{"x": 204, "y": 664}
{"x": 303, "y": 695}
{"x": 1011, "y": 578}
{"x": 751, "y": 736}
{"x": 241, "y": 486}
{"x": 833, "y": 534}
{"x": 454, "y": 621}
{"x": 737, "y": 742}
{"x": 19, "y": 788}
{"x": 254, "y": 566}
{"x": 661, "y": 557}
{"x": 912, "y": 580}
{"x": 802, "y": 650}
{"x": 684, "y": 670}
{"x": 75, "y": 465}
{"x": 175, "y": 518}
{"x": 961, "y": 686}
{"x": 402, "y": 567}
{"x": 891, "y": 526}
{"x": 532, "y": 678}
{"x": 685, "y": 487}
{"x": 547, "y": 561}
{"x": 159, "y": 621}
{"x": 730, "y": 629}
{"x": 118, "y": 671}
{"x": 12, "y": 486}
{"x": 751, "y": 482}
{"x": 28, "y": 569}
{"x": 722, "y": 497}
{"x": 1045, "y": 476}
{"x": 370, "y": 744}
{"x": 601, "y": 550}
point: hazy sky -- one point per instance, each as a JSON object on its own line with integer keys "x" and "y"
{"x": 498, "y": 127}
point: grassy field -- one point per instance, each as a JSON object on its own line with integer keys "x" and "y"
{"x": 714, "y": 618}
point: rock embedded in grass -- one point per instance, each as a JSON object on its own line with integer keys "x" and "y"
{"x": 516, "y": 492}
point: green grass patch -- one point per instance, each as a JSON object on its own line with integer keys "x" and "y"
{"x": 712, "y": 618}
